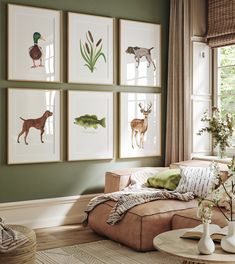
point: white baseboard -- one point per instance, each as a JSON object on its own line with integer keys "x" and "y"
{"x": 46, "y": 212}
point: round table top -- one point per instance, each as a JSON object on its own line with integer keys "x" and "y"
{"x": 186, "y": 249}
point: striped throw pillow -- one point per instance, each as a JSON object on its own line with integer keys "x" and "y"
{"x": 198, "y": 180}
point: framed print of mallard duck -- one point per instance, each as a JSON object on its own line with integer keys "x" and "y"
{"x": 90, "y": 49}
{"x": 34, "y": 49}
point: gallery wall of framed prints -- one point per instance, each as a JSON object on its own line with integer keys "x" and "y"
{"x": 34, "y": 115}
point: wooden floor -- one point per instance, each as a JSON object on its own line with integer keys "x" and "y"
{"x": 61, "y": 236}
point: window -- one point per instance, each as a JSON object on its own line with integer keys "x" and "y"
{"x": 225, "y": 81}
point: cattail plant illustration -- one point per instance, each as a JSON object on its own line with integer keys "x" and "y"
{"x": 91, "y": 51}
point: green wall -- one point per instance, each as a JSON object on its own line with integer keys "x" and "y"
{"x": 36, "y": 181}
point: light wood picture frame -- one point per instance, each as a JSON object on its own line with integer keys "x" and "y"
{"x": 140, "y": 125}
{"x": 34, "y": 44}
{"x": 34, "y": 125}
{"x": 90, "y": 49}
{"x": 140, "y": 53}
{"x": 90, "y": 125}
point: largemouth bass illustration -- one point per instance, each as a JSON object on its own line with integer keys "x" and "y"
{"x": 91, "y": 121}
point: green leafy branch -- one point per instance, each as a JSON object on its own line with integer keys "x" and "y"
{"x": 221, "y": 128}
{"x": 222, "y": 191}
{"x": 91, "y": 52}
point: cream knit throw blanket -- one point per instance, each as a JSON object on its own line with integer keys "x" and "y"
{"x": 10, "y": 239}
{"x": 126, "y": 200}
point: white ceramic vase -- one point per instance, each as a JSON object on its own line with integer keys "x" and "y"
{"x": 228, "y": 242}
{"x": 206, "y": 245}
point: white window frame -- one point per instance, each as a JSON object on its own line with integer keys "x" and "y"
{"x": 201, "y": 57}
{"x": 231, "y": 150}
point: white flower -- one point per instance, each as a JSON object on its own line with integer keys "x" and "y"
{"x": 205, "y": 212}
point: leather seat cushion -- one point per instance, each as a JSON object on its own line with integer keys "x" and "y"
{"x": 189, "y": 219}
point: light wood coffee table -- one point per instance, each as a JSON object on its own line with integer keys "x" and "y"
{"x": 186, "y": 249}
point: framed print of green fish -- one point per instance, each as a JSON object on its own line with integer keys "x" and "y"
{"x": 35, "y": 51}
{"x": 90, "y": 121}
{"x": 91, "y": 52}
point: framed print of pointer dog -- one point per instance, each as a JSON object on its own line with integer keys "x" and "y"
{"x": 140, "y": 53}
{"x": 33, "y": 125}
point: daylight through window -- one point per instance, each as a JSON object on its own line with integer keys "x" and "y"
{"x": 226, "y": 81}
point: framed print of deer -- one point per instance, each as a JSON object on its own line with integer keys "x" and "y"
{"x": 33, "y": 125}
{"x": 140, "y": 53}
{"x": 140, "y": 125}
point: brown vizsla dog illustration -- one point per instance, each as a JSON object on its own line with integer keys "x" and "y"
{"x": 38, "y": 123}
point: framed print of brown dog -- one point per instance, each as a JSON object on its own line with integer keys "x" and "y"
{"x": 34, "y": 49}
{"x": 140, "y": 126}
{"x": 33, "y": 125}
{"x": 140, "y": 53}
{"x": 90, "y": 49}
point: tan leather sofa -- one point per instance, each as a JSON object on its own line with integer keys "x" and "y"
{"x": 143, "y": 222}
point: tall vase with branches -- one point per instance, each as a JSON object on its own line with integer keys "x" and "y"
{"x": 225, "y": 193}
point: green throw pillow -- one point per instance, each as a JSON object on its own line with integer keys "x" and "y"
{"x": 168, "y": 179}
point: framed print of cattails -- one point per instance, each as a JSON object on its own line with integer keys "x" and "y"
{"x": 90, "y": 49}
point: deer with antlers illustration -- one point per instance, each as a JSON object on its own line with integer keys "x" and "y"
{"x": 140, "y": 126}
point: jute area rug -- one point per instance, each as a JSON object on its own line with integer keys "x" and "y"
{"x": 101, "y": 252}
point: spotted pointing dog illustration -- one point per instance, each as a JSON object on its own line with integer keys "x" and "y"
{"x": 141, "y": 52}
{"x": 38, "y": 123}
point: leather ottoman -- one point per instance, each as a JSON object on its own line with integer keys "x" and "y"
{"x": 140, "y": 224}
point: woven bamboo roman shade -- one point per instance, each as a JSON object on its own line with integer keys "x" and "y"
{"x": 221, "y": 23}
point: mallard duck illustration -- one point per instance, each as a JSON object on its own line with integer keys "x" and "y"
{"x": 36, "y": 52}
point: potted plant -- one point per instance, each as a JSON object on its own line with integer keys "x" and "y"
{"x": 221, "y": 129}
